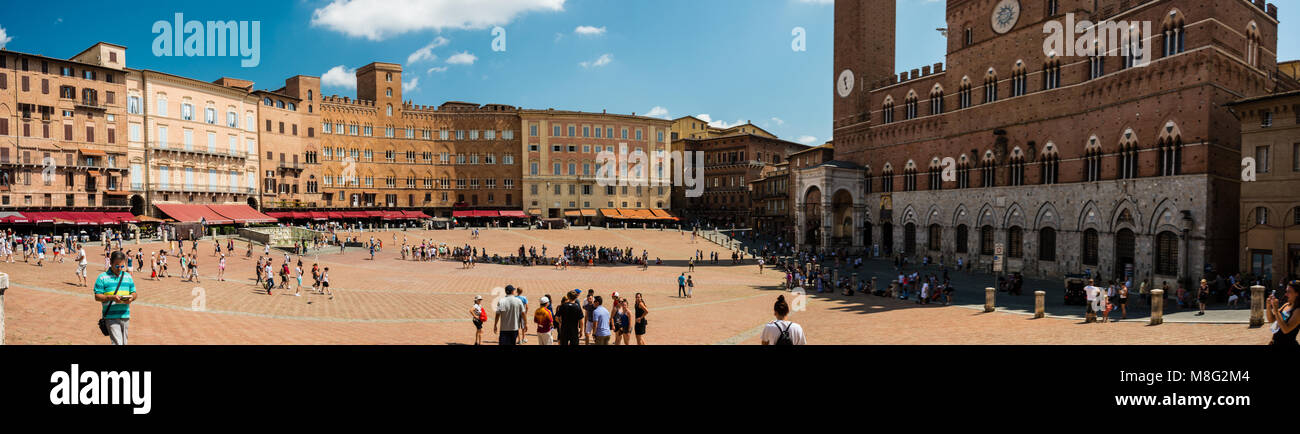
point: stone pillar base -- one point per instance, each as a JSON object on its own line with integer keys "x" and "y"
{"x": 1040, "y": 304}
{"x": 1157, "y": 306}
{"x": 990, "y": 296}
{"x": 1256, "y": 306}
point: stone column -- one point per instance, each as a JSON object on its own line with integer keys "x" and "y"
{"x": 873, "y": 284}
{"x": 1040, "y": 304}
{"x": 828, "y": 224}
{"x": 4, "y": 286}
{"x": 1157, "y": 306}
{"x": 990, "y": 294}
{"x": 1256, "y": 306}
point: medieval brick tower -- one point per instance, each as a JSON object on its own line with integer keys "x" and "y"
{"x": 866, "y": 27}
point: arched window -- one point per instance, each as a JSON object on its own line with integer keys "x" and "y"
{"x": 963, "y": 172}
{"x": 963, "y": 238}
{"x": 390, "y": 110}
{"x": 1096, "y": 66}
{"x": 1047, "y": 244}
{"x": 1019, "y": 80}
{"x": 936, "y": 238}
{"x": 1090, "y": 256}
{"x": 1017, "y": 167}
{"x": 1261, "y": 216}
{"x": 1051, "y": 165}
{"x": 309, "y": 95}
{"x": 986, "y": 240}
{"x": 963, "y": 93}
{"x": 1253, "y": 39}
{"x": 866, "y": 185}
{"x": 1092, "y": 160}
{"x": 909, "y": 177}
{"x": 1167, "y": 254}
{"x": 934, "y": 178}
{"x": 887, "y": 180}
{"x": 1128, "y": 156}
{"x": 1052, "y": 73}
{"x": 936, "y": 100}
{"x": 990, "y": 86}
{"x": 279, "y": 104}
{"x": 1171, "y": 156}
{"x": 988, "y": 171}
{"x": 910, "y": 106}
{"x": 887, "y": 111}
{"x": 1175, "y": 36}
{"x": 388, "y": 92}
{"x": 1015, "y": 242}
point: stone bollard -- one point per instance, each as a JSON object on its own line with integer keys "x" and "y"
{"x": 1040, "y": 304}
{"x": 990, "y": 295}
{"x": 893, "y": 289}
{"x": 1157, "y": 306}
{"x": 854, "y": 282}
{"x": 4, "y": 285}
{"x": 1256, "y": 306}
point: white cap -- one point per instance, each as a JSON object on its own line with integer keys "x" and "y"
{"x": 546, "y": 300}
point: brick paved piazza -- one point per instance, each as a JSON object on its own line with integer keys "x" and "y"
{"x": 389, "y": 301}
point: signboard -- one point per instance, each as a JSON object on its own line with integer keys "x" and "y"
{"x": 997, "y": 249}
{"x": 997, "y": 263}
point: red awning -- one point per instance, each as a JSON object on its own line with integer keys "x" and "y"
{"x": 318, "y": 215}
{"x": 335, "y": 215}
{"x": 361, "y": 214}
{"x": 121, "y": 217}
{"x": 241, "y": 213}
{"x": 415, "y": 215}
{"x": 462, "y": 214}
{"x": 519, "y": 214}
{"x": 188, "y": 213}
{"x": 38, "y": 217}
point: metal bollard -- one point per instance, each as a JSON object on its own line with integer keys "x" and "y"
{"x": 4, "y": 285}
{"x": 1256, "y": 306}
{"x": 1157, "y": 306}
{"x": 1040, "y": 302}
{"x": 990, "y": 295}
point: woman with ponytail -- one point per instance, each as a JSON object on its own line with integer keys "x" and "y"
{"x": 780, "y": 331}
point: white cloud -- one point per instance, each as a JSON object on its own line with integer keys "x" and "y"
{"x": 462, "y": 58}
{"x": 658, "y": 112}
{"x": 603, "y": 60}
{"x": 377, "y": 20}
{"x": 778, "y": 121}
{"x": 339, "y": 76}
{"x": 426, "y": 53}
{"x": 590, "y": 30}
{"x": 411, "y": 86}
{"x": 436, "y": 69}
{"x": 719, "y": 123}
{"x": 807, "y": 140}
{"x": 4, "y": 37}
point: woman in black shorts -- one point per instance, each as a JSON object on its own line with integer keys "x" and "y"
{"x": 641, "y": 312}
{"x": 1123, "y": 301}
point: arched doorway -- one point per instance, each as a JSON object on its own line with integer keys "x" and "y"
{"x": 252, "y": 201}
{"x": 812, "y": 209}
{"x": 137, "y": 205}
{"x": 887, "y": 238}
{"x": 842, "y": 213}
{"x": 1125, "y": 252}
{"x": 909, "y": 239}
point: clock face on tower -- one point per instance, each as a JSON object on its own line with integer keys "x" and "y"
{"x": 1005, "y": 15}
{"x": 844, "y": 85}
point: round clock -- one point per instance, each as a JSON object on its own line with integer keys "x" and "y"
{"x": 1005, "y": 15}
{"x": 845, "y": 83}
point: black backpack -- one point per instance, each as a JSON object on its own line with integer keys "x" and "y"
{"x": 784, "y": 339}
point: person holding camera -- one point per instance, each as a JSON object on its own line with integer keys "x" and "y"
{"x": 1282, "y": 315}
{"x": 115, "y": 290}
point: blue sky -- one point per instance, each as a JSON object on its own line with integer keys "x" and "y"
{"x": 729, "y": 59}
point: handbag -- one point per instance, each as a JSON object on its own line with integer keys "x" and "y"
{"x": 103, "y": 321}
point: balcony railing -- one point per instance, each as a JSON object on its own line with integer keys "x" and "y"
{"x": 203, "y": 151}
{"x": 92, "y": 104}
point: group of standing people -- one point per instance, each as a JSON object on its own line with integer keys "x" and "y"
{"x": 592, "y": 321}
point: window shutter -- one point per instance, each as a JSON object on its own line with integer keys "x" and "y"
{"x": 67, "y": 132}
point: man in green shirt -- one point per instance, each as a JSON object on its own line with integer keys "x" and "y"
{"x": 115, "y": 290}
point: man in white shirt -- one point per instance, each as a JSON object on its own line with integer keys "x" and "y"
{"x": 81, "y": 264}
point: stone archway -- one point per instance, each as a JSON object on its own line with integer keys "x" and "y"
{"x": 1125, "y": 251}
{"x": 812, "y": 209}
{"x": 137, "y": 205}
{"x": 252, "y": 202}
{"x": 842, "y": 218}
